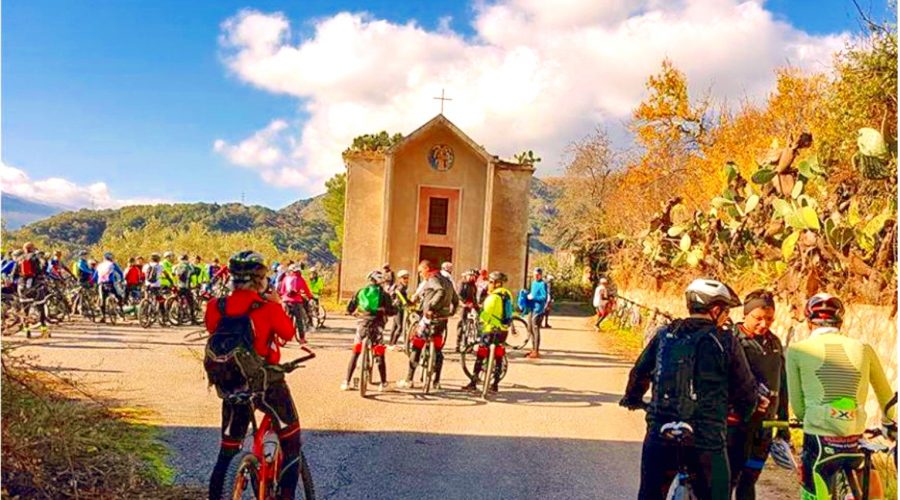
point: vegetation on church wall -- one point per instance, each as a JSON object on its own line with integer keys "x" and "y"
{"x": 382, "y": 141}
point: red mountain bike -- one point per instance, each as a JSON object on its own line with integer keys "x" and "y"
{"x": 253, "y": 473}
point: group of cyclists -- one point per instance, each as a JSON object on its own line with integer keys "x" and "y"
{"x": 722, "y": 383}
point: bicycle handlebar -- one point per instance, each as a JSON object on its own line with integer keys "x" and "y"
{"x": 782, "y": 424}
{"x": 293, "y": 365}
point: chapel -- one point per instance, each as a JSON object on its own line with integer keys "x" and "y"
{"x": 438, "y": 195}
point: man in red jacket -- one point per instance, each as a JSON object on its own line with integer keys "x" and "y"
{"x": 134, "y": 276}
{"x": 272, "y": 328}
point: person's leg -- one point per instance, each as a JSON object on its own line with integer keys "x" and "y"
{"x": 759, "y": 443}
{"x": 378, "y": 350}
{"x": 235, "y": 420}
{"x": 396, "y": 327}
{"x": 547, "y": 317}
{"x": 657, "y": 469}
{"x": 440, "y": 330}
{"x": 499, "y": 354}
{"x": 357, "y": 350}
{"x": 535, "y": 320}
{"x": 712, "y": 478}
{"x": 415, "y": 352}
{"x": 737, "y": 444}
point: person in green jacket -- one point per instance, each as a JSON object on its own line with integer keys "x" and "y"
{"x": 199, "y": 273}
{"x": 496, "y": 317}
{"x": 316, "y": 284}
{"x": 828, "y": 377}
{"x": 167, "y": 280}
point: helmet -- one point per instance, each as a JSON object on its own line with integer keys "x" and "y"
{"x": 702, "y": 294}
{"x": 375, "y": 276}
{"x": 603, "y": 281}
{"x": 467, "y": 273}
{"x": 275, "y": 265}
{"x": 447, "y": 266}
{"x": 18, "y": 253}
{"x": 538, "y": 270}
{"x": 824, "y": 309}
{"x": 244, "y": 264}
{"x": 154, "y": 255}
{"x": 82, "y": 253}
{"x": 403, "y": 273}
{"x": 497, "y": 277}
{"x": 782, "y": 454}
{"x": 185, "y": 258}
{"x": 168, "y": 255}
{"x": 108, "y": 256}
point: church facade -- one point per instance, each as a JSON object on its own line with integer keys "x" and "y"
{"x": 435, "y": 195}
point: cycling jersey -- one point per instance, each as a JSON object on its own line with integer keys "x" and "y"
{"x": 134, "y": 275}
{"x": 492, "y": 311}
{"x": 153, "y": 272}
{"x": 164, "y": 278}
{"x": 182, "y": 274}
{"x": 316, "y": 285}
{"x": 108, "y": 272}
{"x": 828, "y": 382}
{"x": 271, "y": 325}
{"x": 82, "y": 270}
{"x": 293, "y": 289}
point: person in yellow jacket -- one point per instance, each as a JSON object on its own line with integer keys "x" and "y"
{"x": 167, "y": 280}
{"x": 828, "y": 378}
{"x": 496, "y": 316}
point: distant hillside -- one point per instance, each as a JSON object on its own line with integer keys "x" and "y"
{"x": 297, "y": 227}
{"x": 17, "y": 211}
{"x": 542, "y": 211}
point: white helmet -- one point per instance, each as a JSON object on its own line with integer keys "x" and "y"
{"x": 702, "y": 294}
{"x": 403, "y": 273}
{"x": 375, "y": 277}
{"x": 603, "y": 281}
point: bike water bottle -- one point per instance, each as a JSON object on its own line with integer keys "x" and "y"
{"x": 270, "y": 445}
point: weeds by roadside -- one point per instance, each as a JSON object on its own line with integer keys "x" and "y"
{"x": 60, "y": 442}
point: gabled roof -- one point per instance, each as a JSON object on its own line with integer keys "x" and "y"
{"x": 437, "y": 121}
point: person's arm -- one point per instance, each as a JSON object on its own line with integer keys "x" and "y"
{"x": 389, "y": 308}
{"x": 640, "y": 375}
{"x": 353, "y": 304}
{"x": 211, "y": 318}
{"x": 782, "y": 412}
{"x": 436, "y": 298}
{"x": 880, "y": 383}
{"x": 795, "y": 387}
{"x": 743, "y": 389}
{"x": 304, "y": 288}
{"x": 282, "y": 325}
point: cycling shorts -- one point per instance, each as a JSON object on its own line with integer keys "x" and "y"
{"x": 822, "y": 457}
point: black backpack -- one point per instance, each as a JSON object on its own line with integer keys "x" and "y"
{"x": 231, "y": 363}
{"x": 674, "y": 396}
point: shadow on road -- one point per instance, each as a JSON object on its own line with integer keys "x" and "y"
{"x": 419, "y": 465}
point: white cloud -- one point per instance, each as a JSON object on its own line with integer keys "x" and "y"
{"x": 537, "y": 75}
{"x": 62, "y": 192}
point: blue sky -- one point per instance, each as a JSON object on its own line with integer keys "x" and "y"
{"x": 134, "y": 94}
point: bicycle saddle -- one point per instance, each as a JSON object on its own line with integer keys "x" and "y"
{"x": 678, "y": 431}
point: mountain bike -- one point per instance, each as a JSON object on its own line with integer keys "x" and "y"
{"x": 85, "y": 300}
{"x": 519, "y": 333}
{"x": 470, "y": 326}
{"x": 427, "y": 358}
{"x": 319, "y": 314}
{"x": 680, "y": 433}
{"x": 297, "y": 312}
{"x": 365, "y": 367}
{"x": 410, "y": 320}
{"x": 180, "y": 309}
{"x": 151, "y": 309}
{"x": 254, "y": 472}
{"x": 469, "y": 356}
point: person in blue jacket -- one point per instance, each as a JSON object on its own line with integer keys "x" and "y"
{"x": 537, "y": 301}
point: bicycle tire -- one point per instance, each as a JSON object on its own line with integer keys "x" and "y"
{"x": 468, "y": 355}
{"x": 488, "y": 372}
{"x": 429, "y": 368}
{"x": 364, "y": 372}
{"x": 173, "y": 310}
{"x": 680, "y": 491}
{"x": 236, "y": 482}
{"x": 145, "y": 314}
{"x": 306, "y": 485}
{"x": 322, "y": 314}
{"x": 519, "y": 333}
{"x": 112, "y": 309}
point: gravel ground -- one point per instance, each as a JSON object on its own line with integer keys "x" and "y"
{"x": 553, "y": 431}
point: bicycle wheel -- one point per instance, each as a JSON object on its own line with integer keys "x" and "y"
{"x": 845, "y": 485}
{"x": 519, "y": 333}
{"x": 306, "y": 490}
{"x": 429, "y": 367}
{"x": 680, "y": 490}
{"x": 488, "y": 372}
{"x": 365, "y": 369}
{"x": 11, "y": 316}
{"x": 112, "y": 309}
{"x": 145, "y": 314}
{"x": 241, "y": 477}
{"x": 298, "y": 327}
{"x": 467, "y": 358}
{"x": 173, "y": 308}
{"x": 320, "y": 319}
{"x": 56, "y": 308}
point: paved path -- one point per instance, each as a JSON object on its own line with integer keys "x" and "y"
{"x": 553, "y": 431}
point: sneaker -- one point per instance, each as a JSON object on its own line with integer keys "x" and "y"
{"x": 470, "y": 387}
{"x": 548, "y": 326}
{"x": 404, "y": 384}
{"x": 493, "y": 388}
{"x": 45, "y": 332}
{"x": 345, "y": 386}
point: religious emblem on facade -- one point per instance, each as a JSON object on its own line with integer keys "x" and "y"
{"x": 441, "y": 157}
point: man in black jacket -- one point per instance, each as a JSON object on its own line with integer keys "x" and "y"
{"x": 697, "y": 370}
{"x": 468, "y": 295}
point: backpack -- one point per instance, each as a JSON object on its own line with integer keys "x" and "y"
{"x": 673, "y": 376}
{"x": 183, "y": 273}
{"x": 231, "y": 363}
{"x": 152, "y": 273}
{"x": 507, "y": 317}
{"x": 27, "y": 267}
{"x": 369, "y": 299}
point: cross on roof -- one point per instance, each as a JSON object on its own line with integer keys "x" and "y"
{"x": 442, "y": 99}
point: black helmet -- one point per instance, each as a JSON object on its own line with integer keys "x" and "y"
{"x": 703, "y": 294}
{"x": 497, "y": 277}
{"x": 824, "y": 310}
{"x": 243, "y": 265}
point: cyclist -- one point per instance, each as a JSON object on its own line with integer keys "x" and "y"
{"x": 167, "y": 278}
{"x": 108, "y": 274}
{"x": 153, "y": 272}
{"x": 439, "y": 302}
{"x": 482, "y": 285}
{"x": 602, "y": 301}
{"x": 294, "y": 293}
{"x": 316, "y": 285}
{"x": 748, "y": 442}
{"x": 550, "y": 301}
{"x": 447, "y": 270}
{"x": 496, "y": 316}
{"x": 696, "y": 370}
{"x": 29, "y": 276}
{"x": 134, "y": 277}
{"x": 181, "y": 274}
{"x": 373, "y": 306}
{"x": 56, "y": 268}
{"x": 271, "y": 327}
{"x": 388, "y": 274}
{"x": 468, "y": 295}
{"x": 82, "y": 269}
{"x": 199, "y": 276}
{"x": 400, "y": 294}
{"x": 828, "y": 377}
{"x": 537, "y": 299}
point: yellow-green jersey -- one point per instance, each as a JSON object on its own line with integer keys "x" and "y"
{"x": 828, "y": 379}
{"x": 164, "y": 280}
{"x": 316, "y": 285}
{"x": 493, "y": 311}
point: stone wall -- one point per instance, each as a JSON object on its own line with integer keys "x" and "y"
{"x": 871, "y": 324}
{"x": 363, "y": 221}
{"x": 509, "y": 224}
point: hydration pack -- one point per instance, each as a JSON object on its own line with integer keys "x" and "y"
{"x": 369, "y": 299}
{"x": 507, "y": 317}
{"x": 674, "y": 395}
{"x": 231, "y": 363}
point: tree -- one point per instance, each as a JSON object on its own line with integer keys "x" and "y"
{"x": 333, "y": 204}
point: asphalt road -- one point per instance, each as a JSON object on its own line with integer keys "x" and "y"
{"x": 553, "y": 431}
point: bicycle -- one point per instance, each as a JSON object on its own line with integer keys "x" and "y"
{"x": 680, "y": 433}
{"x": 151, "y": 308}
{"x": 469, "y": 356}
{"x": 846, "y": 482}
{"x": 427, "y": 358}
{"x": 84, "y": 300}
{"x": 180, "y": 309}
{"x": 519, "y": 333}
{"x": 254, "y": 472}
{"x": 297, "y": 313}
{"x": 470, "y": 328}
{"x": 319, "y": 313}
